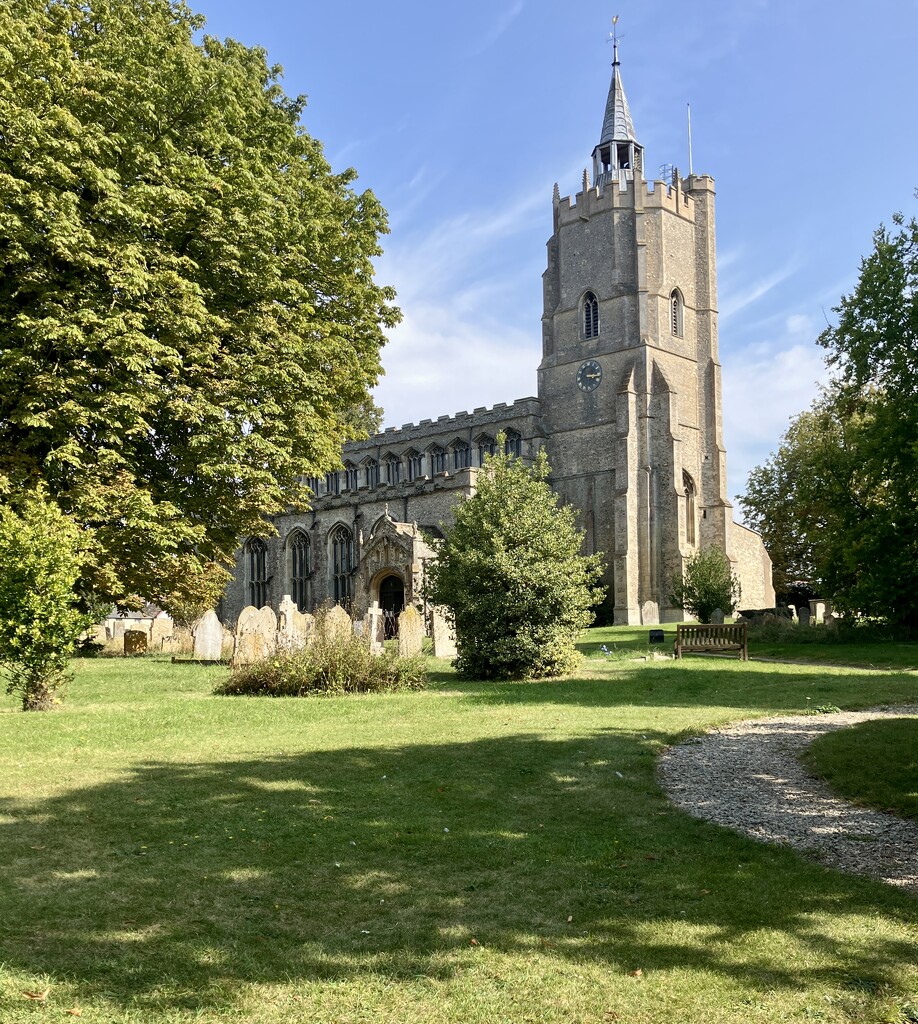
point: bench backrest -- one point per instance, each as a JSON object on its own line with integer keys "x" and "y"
{"x": 731, "y": 633}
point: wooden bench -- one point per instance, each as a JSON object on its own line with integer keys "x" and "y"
{"x": 712, "y": 639}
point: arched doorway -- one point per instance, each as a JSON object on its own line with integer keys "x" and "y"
{"x": 391, "y": 601}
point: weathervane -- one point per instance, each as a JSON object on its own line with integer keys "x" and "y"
{"x": 613, "y": 39}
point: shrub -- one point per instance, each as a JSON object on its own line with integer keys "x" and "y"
{"x": 512, "y": 578}
{"x": 707, "y": 583}
{"x": 40, "y": 625}
{"x": 329, "y": 665}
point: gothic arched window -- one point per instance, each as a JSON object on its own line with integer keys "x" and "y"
{"x": 513, "y": 444}
{"x": 590, "y": 316}
{"x": 690, "y": 493}
{"x": 393, "y": 469}
{"x": 342, "y": 562}
{"x": 298, "y": 560}
{"x": 462, "y": 455}
{"x": 256, "y": 563}
{"x": 437, "y": 459}
{"x": 372, "y": 470}
{"x": 486, "y": 446}
{"x": 676, "y": 312}
{"x": 350, "y": 476}
{"x": 415, "y": 463}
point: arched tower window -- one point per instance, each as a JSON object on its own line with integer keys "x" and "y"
{"x": 462, "y": 455}
{"x": 590, "y": 316}
{"x": 513, "y": 444}
{"x": 342, "y": 562}
{"x": 486, "y": 446}
{"x": 676, "y": 313}
{"x": 256, "y": 559}
{"x": 690, "y": 513}
{"x": 298, "y": 559}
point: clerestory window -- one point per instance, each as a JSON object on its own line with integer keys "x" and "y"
{"x": 342, "y": 560}
{"x": 256, "y": 556}
{"x": 298, "y": 560}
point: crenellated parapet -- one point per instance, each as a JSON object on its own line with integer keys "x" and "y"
{"x": 623, "y": 192}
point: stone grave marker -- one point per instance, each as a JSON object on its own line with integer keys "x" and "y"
{"x": 208, "y": 638}
{"x": 717, "y": 617}
{"x": 374, "y": 627}
{"x": 161, "y": 628}
{"x": 410, "y": 632}
{"x": 336, "y": 625}
{"x": 250, "y": 644}
{"x": 803, "y": 615}
{"x": 135, "y": 641}
{"x": 444, "y": 641}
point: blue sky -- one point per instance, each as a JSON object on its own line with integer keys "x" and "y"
{"x": 461, "y": 118}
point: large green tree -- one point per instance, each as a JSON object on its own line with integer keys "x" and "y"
{"x": 512, "y": 576}
{"x": 837, "y": 504}
{"x": 189, "y": 322}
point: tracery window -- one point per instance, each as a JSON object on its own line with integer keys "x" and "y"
{"x": 590, "y": 316}
{"x": 332, "y": 483}
{"x": 676, "y": 312}
{"x": 372, "y": 470}
{"x": 415, "y": 464}
{"x": 298, "y": 560}
{"x": 462, "y": 455}
{"x": 437, "y": 459}
{"x": 256, "y": 556}
{"x": 342, "y": 562}
{"x": 313, "y": 483}
{"x": 689, "y": 484}
{"x": 513, "y": 444}
{"x": 350, "y": 476}
{"x": 486, "y": 446}
{"x": 393, "y": 470}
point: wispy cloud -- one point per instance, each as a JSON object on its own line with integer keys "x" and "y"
{"x": 737, "y": 299}
{"x": 504, "y": 21}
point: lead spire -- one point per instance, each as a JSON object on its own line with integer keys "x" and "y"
{"x": 618, "y": 148}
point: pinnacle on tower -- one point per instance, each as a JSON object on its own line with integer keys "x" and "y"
{"x": 618, "y": 149}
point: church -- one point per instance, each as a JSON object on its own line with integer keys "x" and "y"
{"x": 628, "y": 410}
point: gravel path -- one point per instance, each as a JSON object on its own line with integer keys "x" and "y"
{"x": 748, "y": 778}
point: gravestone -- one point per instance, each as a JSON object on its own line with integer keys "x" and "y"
{"x": 135, "y": 641}
{"x": 410, "y": 632}
{"x": 444, "y": 641}
{"x": 374, "y": 627}
{"x": 208, "y": 638}
{"x": 294, "y": 628}
{"x": 803, "y": 615}
{"x": 717, "y": 617}
{"x": 256, "y": 636}
{"x": 160, "y": 629}
{"x": 118, "y": 627}
{"x": 650, "y": 612}
{"x": 818, "y": 610}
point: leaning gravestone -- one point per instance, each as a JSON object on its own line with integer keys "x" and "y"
{"x": 803, "y": 615}
{"x": 410, "y": 633}
{"x": 717, "y": 617}
{"x": 135, "y": 641}
{"x": 444, "y": 642}
{"x": 208, "y": 638}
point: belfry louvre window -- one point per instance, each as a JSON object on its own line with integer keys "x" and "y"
{"x": 299, "y": 569}
{"x": 590, "y": 316}
{"x": 342, "y": 560}
{"x": 676, "y": 313}
{"x": 257, "y": 572}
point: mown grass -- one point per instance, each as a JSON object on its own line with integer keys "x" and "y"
{"x": 873, "y": 763}
{"x": 470, "y": 853}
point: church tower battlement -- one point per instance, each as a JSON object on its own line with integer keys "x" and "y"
{"x": 630, "y": 381}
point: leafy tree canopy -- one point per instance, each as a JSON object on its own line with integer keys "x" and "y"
{"x": 190, "y": 319}
{"x": 512, "y": 577}
{"x": 837, "y": 504}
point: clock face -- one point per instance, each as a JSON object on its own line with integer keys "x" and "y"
{"x": 589, "y": 376}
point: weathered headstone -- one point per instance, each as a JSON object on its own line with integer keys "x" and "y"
{"x": 336, "y": 625}
{"x": 410, "y": 632}
{"x": 294, "y": 628}
{"x": 256, "y": 636}
{"x": 818, "y": 610}
{"x": 444, "y": 641}
{"x": 803, "y": 615}
{"x": 117, "y": 628}
{"x": 161, "y": 627}
{"x": 208, "y": 638}
{"x": 135, "y": 641}
{"x": 717, "y": 617}
{"x": 650, "y": 613}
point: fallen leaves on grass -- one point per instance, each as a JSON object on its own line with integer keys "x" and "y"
{"x": 74, "y": 1011}
{"x": 37, "y": 997}
{"x": 636, "y": 973}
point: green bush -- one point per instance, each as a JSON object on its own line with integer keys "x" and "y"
{"x": 40, "y": 624}
{"x": 707, "y": 583}
{"x": 329, "y": 665}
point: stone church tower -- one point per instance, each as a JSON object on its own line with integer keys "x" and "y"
{"x": 629, "y": 383}
{"x": 629, "y": 410}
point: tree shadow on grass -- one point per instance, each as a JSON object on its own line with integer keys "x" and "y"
{"x": 177, "y": 884}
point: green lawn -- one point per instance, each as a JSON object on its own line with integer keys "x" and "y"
{"x": 471, "y": 853}
{"x": 874, "y": 763}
